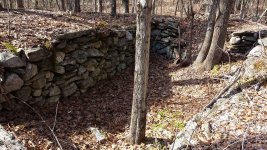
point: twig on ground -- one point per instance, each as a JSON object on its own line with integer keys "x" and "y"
{"x": 54, "y": 124}
{"x": 40, "y": 116}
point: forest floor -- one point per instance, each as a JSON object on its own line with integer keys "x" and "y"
{"x": 174, "y": 96}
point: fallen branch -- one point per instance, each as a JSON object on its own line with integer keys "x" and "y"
{"x": 214, "y": 100}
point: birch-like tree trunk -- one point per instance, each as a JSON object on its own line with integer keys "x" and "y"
{"x": 143, "y": 29}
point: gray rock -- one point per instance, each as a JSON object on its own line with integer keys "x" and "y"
{"x": 8, "y": 141}
{"x": 68, "y": 61}
{"x": 24, "y": 93}
{"x": 59, "y": 69}
{"x": 94, "y": 53}
{"x": 37, "y": 54}
{"x": 39, "y": 84}
{"x": 61, "y": 45}
{"x": 37, "y": 93}
{"x": 235, "y": 40}
{"x": 96, "y": 45}
{"x": 10, "y": 60}
{"x": 96, "y": 72}
{"x": 3, "y": 98}
{"x": 256, "y": 51}
{"x": 40, "y": 101}
{"x": 90, "y": 65}
{"x": 80, "y": 56}
{"x": 70, "y": 47}
{"x": 54, "y": 91}
{"x": 59, "y": 56}
{"x": 156, "y": 32}
{"x": 86, "y": 83}
{"x": 249, "y": 38}
{"x": 121, "y": 66}
{"x": 13, "y": 83}
{"x": 81, "y": 70}
{"x": 263, "y": 41}
{"x": 49, "y": 76}
{"x": 30, "y": 71}
{"x": 53, "y": 99}
{"x": 129, "y": 36}
{"x": 69, "y": 90}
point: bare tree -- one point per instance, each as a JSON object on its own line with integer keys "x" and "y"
{"x": 113, "y": 7}
{"x": 138, "y": 116}
{"x": 242, "y": 9}
{"x": 100, "y": 6}
{"x": 20, "y": 4}
{"x": 126, "y": 6}
{"x": 133, "y": 5}
{"x": 209, "y": 33}
{"x": 219, "y": 34}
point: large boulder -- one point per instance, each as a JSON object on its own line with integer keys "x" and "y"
{"x": 10, "y": 60}
{"x": 30, "y": 71}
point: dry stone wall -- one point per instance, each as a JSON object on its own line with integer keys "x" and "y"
{"x": 69, "y": 65}
{"x": 74, "y": 62}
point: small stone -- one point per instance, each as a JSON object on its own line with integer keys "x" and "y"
{"x": 235, "y": 40}
{"x": 53, "y": 99}
{"x": 84, "y": 84}
{"x": 249, "y": 38}
{"x": 90, "y": 65}
{"x": 61, "y": 45}
{"x": 31, "y": 71}
{"x": 13, "y": 83}
{"x": 129, "y": 36}
{"x": 37, "y": 54}
{"x": 94, "y": 53}
{"x": 37, "y": 93}
{"x": 24, "y": 93}
{"x": 96, "y": 45}
{"x": 39, "y": 84}
{"x": 69, "y": 90}
{"x": 10, "y": 60}
{"x": 59, "y": 69}
{"x": 54, "y": 91}
{"x": 60, "y": 56}
{"x": 49, "y": 76}
{"x": 80, "y": 56}
{"x": 70, "y": 47}
{"x": 81, "y": 70}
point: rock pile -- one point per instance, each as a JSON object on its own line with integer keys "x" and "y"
{"x": 165, "y": 36}
{"x": 243, "y": 42}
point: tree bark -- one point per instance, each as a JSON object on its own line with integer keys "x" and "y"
{"x": 4, "y": 4}
{"x": 113, "y": 7}
{"x": 242, "y": 9}
{"x": 143, "y": 29}
{"x": 257, "y": 9}
{"x": 100, "y": 6}
{"x": 20, "y": 4}
{"x": 219, "y": 34}
{"x": 154, "y": 7}
{"x": 63, "y": 5}
{"x": 209, "y": 33}
{"x": 35, "y": 4}
{"x": 126, "y": 6}
{"x": 76, "y": 6}
{"x": 133, "y": 6}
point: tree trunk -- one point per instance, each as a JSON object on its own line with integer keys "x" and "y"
{"x": 63, "y": 8}
{"x": 113, "y": 7}
{"x": 4, "y": 4}
{"x": 11, "y": 6}
{"x": 209, "y": 33}
{"x": 219, "y": 34}
{"x": 133, "y": 6}
{"x": 20, "y": 4}
{"x": 76, "y": 6}
{"x": 242, "y": 9}
{"x": 257, "y": 9}
{"x": 126, "y": 6}
{"x": 154, "y": 7}
{"x": 143, "y": 29}
{"x": 176, "y": 7}
{"x": 100, "y": 6}
{"x": 35, "y": 4}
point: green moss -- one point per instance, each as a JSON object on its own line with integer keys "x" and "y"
{"x": 259, "y": 65}
{"x": 215, "y": 70}
{"x": 48, "y": 45}
{"x": 10, "y": 47}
